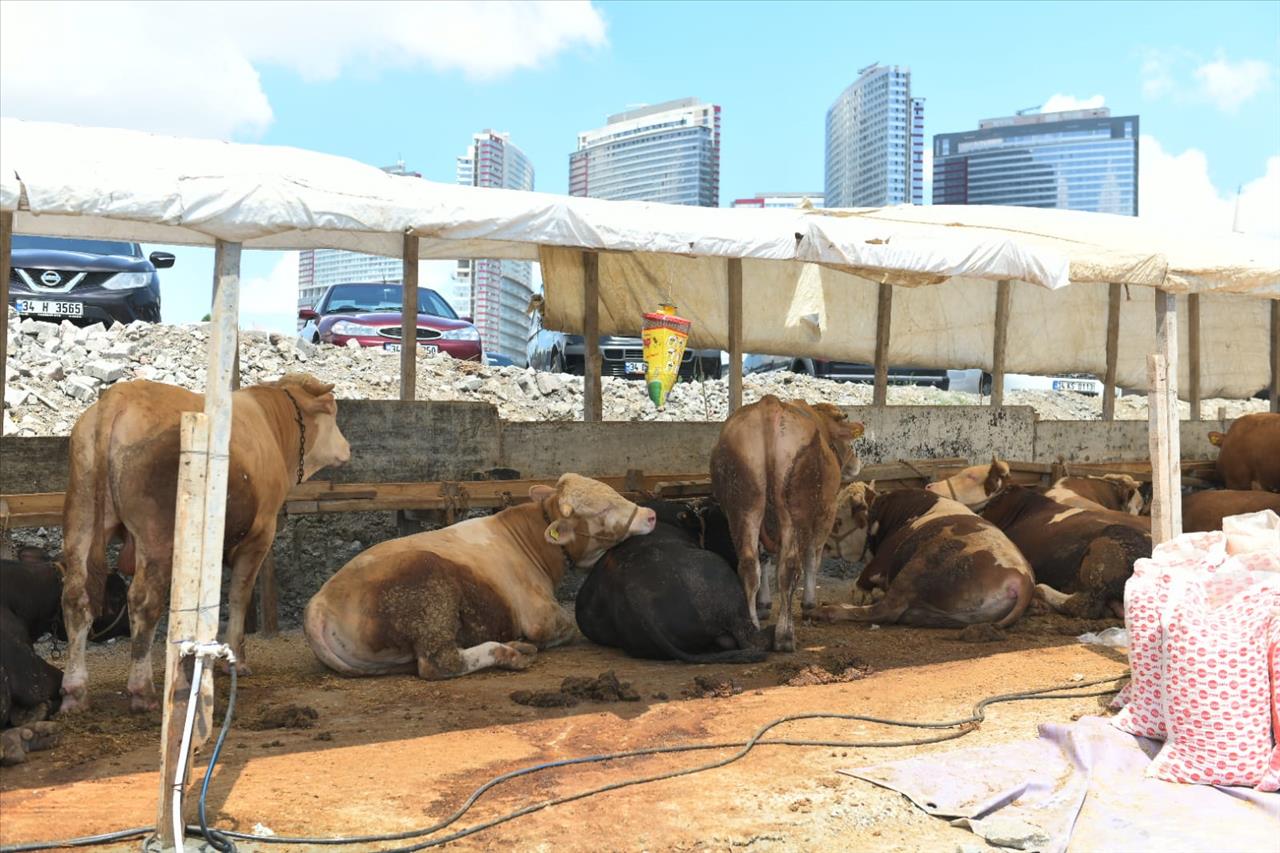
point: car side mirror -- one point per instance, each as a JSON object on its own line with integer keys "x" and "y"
{"x": 162, "y": 260}
{"x": 305, "y": 314}
{"x": 466, "y": 319}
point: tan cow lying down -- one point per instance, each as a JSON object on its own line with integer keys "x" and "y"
{"x": 477, "y": 594}
{"x": 123, "y": 482}
{"x": 775, "y": 470}
{"x": 1118, "y": 492}
{"x": 935, "y": 563}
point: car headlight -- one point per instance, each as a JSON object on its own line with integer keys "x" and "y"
{"x": 467, "y": 333}
{"x": 127, "y": 281}
{"x": 346, "y": 327}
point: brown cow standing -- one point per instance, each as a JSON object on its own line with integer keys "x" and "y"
{"x": 775, "y": 470}
{"x": 1205, "y": 510}
{"x": 123, "y": 482}
{"x": 936, "y": 563}
{"x": 1250, "y": 455}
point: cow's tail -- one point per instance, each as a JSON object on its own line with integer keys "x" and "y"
{"x": 96, "y": 581}
{"x": 728, "y": 656}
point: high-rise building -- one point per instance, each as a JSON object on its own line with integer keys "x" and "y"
{"x": 500, "y": 290}
{"x": 320, "y": 268}
{"x": 779, "y": 200}
{"x": 667, "y": 152}
{"x": 871, "y": 131}
{"x": 1077, "y": 160}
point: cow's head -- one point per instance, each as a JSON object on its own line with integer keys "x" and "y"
{"x": 325, "y": 444}
{"x": 1215, "y": 438}
{"x": 593, "y": 518}
{"x": 975, "y": 485}
{"x": 848, "y": 538}
{"x": 840, "y": 433}
{"x": 1128, "y": 492}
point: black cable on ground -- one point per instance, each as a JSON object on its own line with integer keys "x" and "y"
{"x": 963, "y": 727}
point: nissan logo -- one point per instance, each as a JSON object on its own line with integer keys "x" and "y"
{"x": 50, "y": 278}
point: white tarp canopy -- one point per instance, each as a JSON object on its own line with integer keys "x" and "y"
{"x": 810, "y": 277}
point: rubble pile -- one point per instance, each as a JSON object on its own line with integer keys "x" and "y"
{"x": 55, "y": 371}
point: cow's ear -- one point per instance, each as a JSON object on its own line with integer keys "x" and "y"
{"x": 560, "y": 532}
{"x": 540, "y": 493}
{"x": 1215, "y": 438}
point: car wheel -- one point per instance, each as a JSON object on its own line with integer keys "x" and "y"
{"x": 984, "y": 385}
{"x": 557, "y": 362}
{"x": 799, "y": 366}
{"x": 315, "y": 339}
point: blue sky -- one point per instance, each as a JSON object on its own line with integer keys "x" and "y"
{"x": 380, "y": 83}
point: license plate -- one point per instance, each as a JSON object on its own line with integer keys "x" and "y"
{"x": 636, "y": 367}
{"x": 427, "y": 348}
{"x": 50, "y": 308}
{"x": 1072, "y": 385}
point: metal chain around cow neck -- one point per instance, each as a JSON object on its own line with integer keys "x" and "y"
{"x": 302, "y": 432}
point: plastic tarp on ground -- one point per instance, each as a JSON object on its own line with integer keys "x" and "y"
{"x": 810, "y": 277}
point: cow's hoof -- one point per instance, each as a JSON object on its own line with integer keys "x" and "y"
{"x": 44, "y": 735}
{"x": 27, "y": 716}
{"x": 73, "y": 702}
{"x": 784, "y": 643}
{"x": 12, "y": 747}
{"x": 141, "y": 704}
{"x": 861, "y": 597}
{"x": 763, "y": 611}
{"x": 515, "y": 655}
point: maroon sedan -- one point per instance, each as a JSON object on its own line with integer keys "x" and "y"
{"x": 369, "y": 314}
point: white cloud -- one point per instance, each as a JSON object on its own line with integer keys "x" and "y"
{"x": 1232, "y": 83}
{"x": 1061, "y": 103}
{"x": 1175, "y": 189}
{"x": 270, "y": 302}
{"x": 193, "y": 68}
{"x": 1187, "y": 77}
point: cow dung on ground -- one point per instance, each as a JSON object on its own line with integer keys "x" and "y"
{"x": 605, "y": 687}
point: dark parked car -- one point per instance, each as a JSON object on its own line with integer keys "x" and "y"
{"x": 497, "y": 359}
{"x": 620, "y": 356}
{"x": 369, "y": 314}
{"x": 85, "y": 281}
{"x": 846, "y": 371}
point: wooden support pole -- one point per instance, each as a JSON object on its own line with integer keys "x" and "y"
{"x": 199, "y": 521}
{"x": 1113, "y": 353}
{"x": 735, "y": 334}
{"x": 1164, "y": 426}
{"x": 1275, "y": 355}
{"x": 6, "y": 248}
{"x": 592, "y": 400}
{"x": 1193, "y": 353}
{"x": 409, "y": 320}
{"x": 884, "y": 317}
{"x": 999, "y": 344}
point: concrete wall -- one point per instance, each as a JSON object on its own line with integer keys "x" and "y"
{"x": 398, "y": 442}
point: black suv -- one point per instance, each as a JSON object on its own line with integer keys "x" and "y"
{"x": 85, "y": 281}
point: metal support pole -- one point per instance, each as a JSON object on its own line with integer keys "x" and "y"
{"x": 999, "y": 345}
{"x": 409, "y": 320}
{"x": 592, "y": 400}
{"x": 735, "y": 334}
{"x": 1113, "y": 353}
{"x": 199, "y": 520}
{"x": 884, "y": 317}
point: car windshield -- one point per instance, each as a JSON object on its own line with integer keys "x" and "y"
{"x": 67, "y": 244}
{"x": 374, "y": 298}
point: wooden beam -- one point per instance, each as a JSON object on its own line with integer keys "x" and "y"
{"x": 1193, "y": 353}
{"x": 1113, "y": 353}
{"x": 592, "y": 400}
{"x": 409, "y": 319}
{"x": 735, "y": 334}
{"x": 998, "y": 346}
{"x": 6, "y": 247}
{"x": 1164, "y": 436}
{"x": 884, "y": 317}
{"x": 199, "y": 527}
{"x": 1275, "y": 355}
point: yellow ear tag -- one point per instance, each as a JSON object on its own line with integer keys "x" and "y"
{"x": 554, "y": 533}
{"x": 857, "y": 429}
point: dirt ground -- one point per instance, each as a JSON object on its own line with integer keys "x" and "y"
{"x": 312, "y": 753}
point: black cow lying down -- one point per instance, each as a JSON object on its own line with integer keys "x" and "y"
{"x": 663, "y": 597}
{"x": 30, "y": 687}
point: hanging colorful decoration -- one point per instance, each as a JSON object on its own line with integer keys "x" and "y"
{"x": 665, "y": 336}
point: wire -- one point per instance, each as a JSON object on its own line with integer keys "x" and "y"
{"x": 962, "y": 726}
{"x": 216, "y": 839}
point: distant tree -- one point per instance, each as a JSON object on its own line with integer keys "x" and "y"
{"x": 205, "y": 318}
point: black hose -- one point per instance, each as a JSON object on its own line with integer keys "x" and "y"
{"x": 215, "y": 838}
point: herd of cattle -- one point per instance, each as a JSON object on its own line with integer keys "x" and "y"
{"x": 681, "y": 581}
